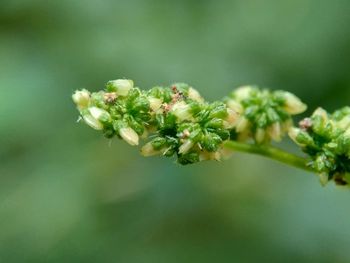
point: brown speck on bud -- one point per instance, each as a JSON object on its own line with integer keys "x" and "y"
{"x": 110, "y": 98}
{"x": 305, "y": 124}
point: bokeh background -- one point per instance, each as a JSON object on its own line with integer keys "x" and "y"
{"x": 67, "y": 195}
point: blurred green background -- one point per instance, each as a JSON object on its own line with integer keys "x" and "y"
{"x": 66, "y": 195}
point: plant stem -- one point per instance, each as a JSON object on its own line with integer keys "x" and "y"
{"x": 270, "y": 152}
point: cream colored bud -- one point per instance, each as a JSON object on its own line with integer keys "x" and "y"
{"x": 148, "y": 150}
{"x": 81, "y": 98}
{"x": 99, "y": 114}
{"x": 205, "y": 156}
{"x": 260, "y": 135}
{"x": 234, "y": 105}
{"x": 185, "y": 147}
{"x": 323, "y": 177}
{"x": 344, "y": 123}
{"x": 231, "y": 119}
{"x": 92, "y": 122}
{"x": 242, "y": 124}
{"x": 129, "y": 135}
{"x": 194, "y": 95}
{"x": 293, "y": 134}
{"x": 155, "y": 103}
{"x": 322, "y": 113}
{"x": 293, "y": 104}
{"x": 122, "y": 86}
{"x": 275, "y": 132}
{"x": 182, "y": 111}
{"x": 243, "y": 92}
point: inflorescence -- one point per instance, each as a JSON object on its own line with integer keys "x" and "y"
{"x": 177, "y": 121}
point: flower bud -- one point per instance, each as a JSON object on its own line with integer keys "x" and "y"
{"x": 148, "y": 150}
{"x": 185, "y": 147}
{"x": 99, "y": 114}
{"x": 120, "y": 86}
{"x": 81, "y": 98}
{"x": 129, "y": 135}
{"x": 194, "y": 95}
{"x": 205, "y": 155}
{"x": 293, "y": 134}
{"x": 260, "y": 135}
{"x": 231, "y": 119}
{"x": 275, "y": 132}
{"x": 293, "y": 104}
{"x": 92, "y": 122}
{"x": 319, "y": 112}
{"x": 155, "y": 103}
{"x": 234, "y": 105}
{"x": 323, "y": 178}
{"x": 182, "y": 111}
{"x": 243, "y": 92}
{"x": 242, "y": 124}
{"x": 344, "y": 123}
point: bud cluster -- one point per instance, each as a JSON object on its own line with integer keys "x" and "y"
{"x": 177, "y": 121}
{"x": 326, "y": 139}
{"x": 264, "y": 115}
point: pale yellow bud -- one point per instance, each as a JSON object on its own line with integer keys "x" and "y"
{"x": 243, "y": 92}
{"x": 81, "y": 98}
{"x": 234, "y": 105}
{"x": 129, "y": 135}
{"x": 231, "y": 119}
{"x": 148, "y": 150}
{"x": 92, "y": 122}
{"x": 242, "y": 124}
{"x": 182, "y": 111}
{"x": 322, "y": 113}
{"x": 293, "y": 104}
{"x": 205, "y": 155}
{"x": 122, "y": 86}
{"x": 99, "y": 114}
{"x": 155, "y": 103}
{"x": 194, "y": 95}
{"x": 275, "y": 132}
{"x": 323, "y": 177}
{"x": 260, "y": 135}
{"x": 293, "y": 134}
{"x": 185, "y": 147}
{"x": 344, "y": 123}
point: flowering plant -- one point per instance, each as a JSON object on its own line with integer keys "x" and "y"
{"x": 177, "y": 121}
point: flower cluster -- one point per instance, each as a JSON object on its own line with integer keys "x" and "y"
{"x": 264, "y": 115}
{"x": 176, "y": 119}
{"x": 326, "y": 139}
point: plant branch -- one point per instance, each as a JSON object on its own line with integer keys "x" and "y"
{"x": 270, "y": 152}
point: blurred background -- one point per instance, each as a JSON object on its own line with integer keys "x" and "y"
{"x": 66, "y": 195}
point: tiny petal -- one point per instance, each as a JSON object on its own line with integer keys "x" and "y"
{"x": 129, "y": 135}
{"x": 293, "y": 104}
{"x": 231, "y": 119}
{"x": 81, "y": 98}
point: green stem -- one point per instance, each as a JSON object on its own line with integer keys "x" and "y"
{"x": 270, "y": 152}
